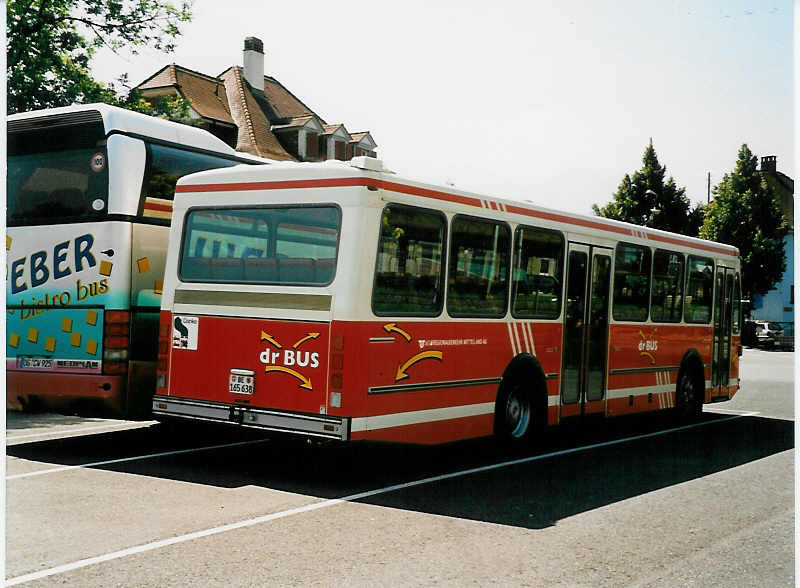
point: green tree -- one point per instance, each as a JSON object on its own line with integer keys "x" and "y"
{"x": 745, "y": 213}
{"x": 50, "y": 44}
{"x": 647, "y": 199}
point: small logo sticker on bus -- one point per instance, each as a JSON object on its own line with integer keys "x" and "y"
{"x": 98, "y": 162}
{"x": 184, "y": 332}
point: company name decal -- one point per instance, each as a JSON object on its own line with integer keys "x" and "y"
{"x": 648, "y": 345}
{"x": 284, "y": 360}
{"x": 40, "y": 269}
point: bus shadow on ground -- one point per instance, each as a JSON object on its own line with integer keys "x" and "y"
{"x": 570, "y": 471}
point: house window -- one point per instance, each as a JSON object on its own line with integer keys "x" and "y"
{"x": 339, "y": 150}
{"x": 312, "y": 145}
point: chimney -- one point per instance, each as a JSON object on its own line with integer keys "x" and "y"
{"x": 254, "y": 62}
{"x": 769, "y": 163}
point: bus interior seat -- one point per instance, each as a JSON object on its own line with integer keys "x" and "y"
{"x": 296, "y": 269}
{"x": 261, "y": 269}
{"x": 196, "y": 268}
{"x": 325, "y": 269}
{"x": 227, "y": 268}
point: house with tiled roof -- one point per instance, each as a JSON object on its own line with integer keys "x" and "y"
{"x": 255, "y": 113}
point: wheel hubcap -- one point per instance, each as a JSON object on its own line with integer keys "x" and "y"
{"x": 518, "y": 414}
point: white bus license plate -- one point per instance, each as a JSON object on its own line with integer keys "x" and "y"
{"x": 241, "y": 384}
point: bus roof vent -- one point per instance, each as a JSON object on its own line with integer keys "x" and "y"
{"x": 368, "y": 163}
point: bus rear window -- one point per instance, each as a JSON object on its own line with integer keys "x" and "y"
{"x": 281, "y": 245}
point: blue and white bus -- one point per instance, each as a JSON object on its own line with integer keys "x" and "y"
{"x": 89, "y": 193}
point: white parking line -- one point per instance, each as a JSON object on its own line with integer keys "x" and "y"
{"x": 134, "y": 458}
{"x": 334, "y": 501}
{"x": 129, "y": 424}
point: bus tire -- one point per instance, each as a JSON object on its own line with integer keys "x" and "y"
{"x": 689, "y": 393}
{"x": 519, "y": 416}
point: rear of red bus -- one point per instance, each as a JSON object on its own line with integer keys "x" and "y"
{"x": 245, "y": 321}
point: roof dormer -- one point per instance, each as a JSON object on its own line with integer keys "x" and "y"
{"x": 333, "y": 142}
{"x": 361, "y": 143}
{"x": 301, "y": 135}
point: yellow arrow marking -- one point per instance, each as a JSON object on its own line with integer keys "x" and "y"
{"x": 306, "y": 382}
{"x": 267, "y": 337}
{"x": 401, "y": 370}
{"x": 304, "y": 339}
{"x": 648, "y": 354}
{"x": 392, "y": 327}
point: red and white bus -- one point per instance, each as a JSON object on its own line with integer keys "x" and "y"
{"x": 341, "y": 301}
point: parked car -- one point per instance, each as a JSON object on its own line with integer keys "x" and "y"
{"x": 771, "y": 334}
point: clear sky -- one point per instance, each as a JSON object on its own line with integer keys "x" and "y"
{"x": 549, "y": 101}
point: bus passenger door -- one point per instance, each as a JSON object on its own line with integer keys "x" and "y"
{"x": 721, "y": 353}
{"x": 585, "y": 347}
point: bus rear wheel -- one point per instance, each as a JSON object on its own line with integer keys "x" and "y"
{"x": 515, "y": 416}
{"x": 688, "y": 397}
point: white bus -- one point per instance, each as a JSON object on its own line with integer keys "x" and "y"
{"x": 89, "y": 194}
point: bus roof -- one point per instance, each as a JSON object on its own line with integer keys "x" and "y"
{"x": 366, "y": 171}
{"x": 128, "y": 121}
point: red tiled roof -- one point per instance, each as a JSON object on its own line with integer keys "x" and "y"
{"x": 283, "y": 102}
{"x": 206, "y": 94}
{"x": 229, "y": 98}
{"x": 255, "y": 135}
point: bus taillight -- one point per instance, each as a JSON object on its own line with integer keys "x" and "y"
{"x": 116, "y": 341}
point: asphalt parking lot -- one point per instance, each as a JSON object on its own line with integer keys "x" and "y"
{"x": 94, "y": 502}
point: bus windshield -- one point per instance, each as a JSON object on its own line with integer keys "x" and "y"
{"x": 57, "y": 176}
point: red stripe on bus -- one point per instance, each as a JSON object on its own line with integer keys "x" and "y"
{"x": 159, "y": 207}
{"x": 435, "y": 194}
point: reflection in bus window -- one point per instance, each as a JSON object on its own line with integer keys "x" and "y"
{"x": 536, "y": 278}
{"x": 167, "y": 164}
{"x": 284, "y": 245}
{"x": 699, "y": 290}
{"x": 408, "y": 270}
{"x": 666, "y": 304}
{"x": 478, "y": 274}
{"x": 631, "y": 282}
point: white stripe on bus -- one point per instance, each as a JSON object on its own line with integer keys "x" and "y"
{"x": 415, "y": 417}
{"x": 528, "y": 346}
{"x": 529, "y": 326}
{"x": 516, "y": 336}
{"x": 511, "y": 340}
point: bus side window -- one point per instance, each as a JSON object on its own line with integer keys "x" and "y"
{"x": 408, "y": 269}
{"x": 478, "y": 275}
{"x": 666, "y": 302}
{"x": 537, "y": 273}
{"x": 631, "y": 282}
{"x": 699, "y": 290}
{"x": 165, "y": 165}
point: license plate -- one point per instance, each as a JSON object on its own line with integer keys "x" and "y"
{"x": 241, "y": 382}
{"x": 36, "y": 363}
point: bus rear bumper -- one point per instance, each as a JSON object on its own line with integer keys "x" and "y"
{"x": 322, "y": 426}
{"x": 58, "y": 391}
